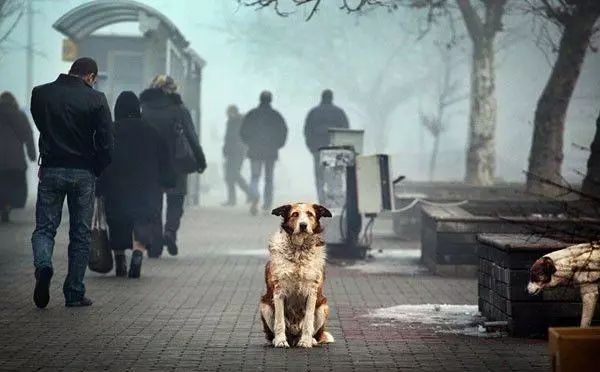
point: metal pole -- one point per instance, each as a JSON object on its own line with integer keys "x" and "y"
{"x": 29, "y": 57}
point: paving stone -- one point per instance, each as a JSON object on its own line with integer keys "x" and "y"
{"x": 199, "y": 312}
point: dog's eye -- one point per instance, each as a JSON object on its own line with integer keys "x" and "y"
{"x": 295, "y": 214}
{"x": 310, "y": 214}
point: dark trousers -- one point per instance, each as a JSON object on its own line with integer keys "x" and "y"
{"x": 256, "y": 166}
{"x": 174, "y": 213}
{"x": 233, "y": 177}
{"x": 319, "y": 181}
{"x": 77, "y": 185}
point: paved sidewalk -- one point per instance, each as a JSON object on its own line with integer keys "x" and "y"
{"x": 198, "y": 311}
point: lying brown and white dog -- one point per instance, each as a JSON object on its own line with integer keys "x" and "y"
{"x": 294, "y": 309}
{"x": 578, "y": 265}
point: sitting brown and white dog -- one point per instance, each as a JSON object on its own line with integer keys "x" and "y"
{"x": 578, "y": 265}
{"x": 294, "y": 310}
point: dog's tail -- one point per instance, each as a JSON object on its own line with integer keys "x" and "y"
{"x": 326, "y": 338}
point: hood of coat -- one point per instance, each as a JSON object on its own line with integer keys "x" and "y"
{"x": 157, "y": 97}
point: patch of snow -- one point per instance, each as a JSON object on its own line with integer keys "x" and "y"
{"x": 247, "y": 252}
{"x": 446, "y": 319}
{"x": 455, "y": 315}
{"x": 392, "y": 261}
{"x": 478, "y": 331}
{"x": 388, "y": 268}
{"x": 403, "y": 254}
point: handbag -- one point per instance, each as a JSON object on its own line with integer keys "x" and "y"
{"x": 101, "y": 260}
{"x": 184, "y": 159}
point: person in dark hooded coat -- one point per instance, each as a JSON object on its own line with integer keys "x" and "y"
{"x": 316, "y": 132}
{"x": 15, "y": 131}
{"x": 264, "y": 132}
{"x": 163, "y": 108}
{"x": 132, "y": 185}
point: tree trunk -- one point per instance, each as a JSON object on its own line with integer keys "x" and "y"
{"x": 546, "y": 156}
{"x": 591, "y": 183}
{"x": 434, "y": 154}
{"x": 481, "y": 155}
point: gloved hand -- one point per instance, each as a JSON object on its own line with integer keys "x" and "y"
{"x": 201, "y": 169}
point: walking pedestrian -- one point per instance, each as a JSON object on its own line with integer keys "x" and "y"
{"x": 15, "y": 131}
{"x": 75, "y": 147}
{"x": 264, "y": 132}
{"x": 316, "y": 132}
{"x": 132, "y": 185}
{"x": 163, "y": 108}
{"x": 234, "y": 152}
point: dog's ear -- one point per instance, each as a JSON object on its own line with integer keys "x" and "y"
{"x": 542, "y": 270}
{"x": 321, "y": 211}
{"x": 282, "y": 211}
{"x": 548, "y": 266}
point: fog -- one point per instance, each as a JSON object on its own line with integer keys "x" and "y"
{"x": 366, "y": 60}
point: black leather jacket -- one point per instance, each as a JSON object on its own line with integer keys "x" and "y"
{"x": 75, "y": 125}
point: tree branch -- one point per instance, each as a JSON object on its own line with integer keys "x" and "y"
{"x": 472, "y": 20}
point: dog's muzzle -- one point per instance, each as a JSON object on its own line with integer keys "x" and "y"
{"x": 303, "y": 226}
{"x": 533, "y": 288}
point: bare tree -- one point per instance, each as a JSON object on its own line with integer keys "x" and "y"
{"x": 577, "y": 21}
{"x": 11, "y": 12}
{"x": 483, "y": 21}
{"x": 374, "y": 84}
{"x": 448, "y": 95}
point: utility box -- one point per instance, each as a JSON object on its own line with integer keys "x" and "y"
{"x": 574, "y": 349}
{"x": 374, "y": 185}
{"x": 342, "y": 137}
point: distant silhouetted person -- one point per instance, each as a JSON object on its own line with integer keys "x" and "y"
{"x": 163, "y": 108}
{"x": 318, "y": 121}
{"x": 15, "y": 131}
{"x": 264, "y": 132}
{"x": 234, "y": 152}
{"x": 75, "y": 146}
{"x": 132, "y": 185}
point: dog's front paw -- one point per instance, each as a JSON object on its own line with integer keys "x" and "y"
{"x": 280, "y": 342}
{"x": 305, "y": 342}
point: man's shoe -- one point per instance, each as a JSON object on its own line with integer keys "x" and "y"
{"x": 41, "y": 293}
{"x": 171, "y": 244}
{"x": 135, "y": 268}
{"x": 81, "y": 303}
{"x": 120, "y": 265}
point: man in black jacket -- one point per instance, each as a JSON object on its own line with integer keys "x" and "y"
{"x": 316, "y": 132}
{"x": 163, "y": 108}
{"x": 75, "y": 146}
{"x": 264, "y": 132}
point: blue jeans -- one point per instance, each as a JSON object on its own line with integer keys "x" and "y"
{"x": 77, "y": 185}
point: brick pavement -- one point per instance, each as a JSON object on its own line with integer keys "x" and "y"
{"x": 198, "y": 311}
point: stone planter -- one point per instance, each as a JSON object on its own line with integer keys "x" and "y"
{"x": 448, "y": 234}
{"x": 504, "y": 262}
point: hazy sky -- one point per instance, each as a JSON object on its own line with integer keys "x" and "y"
{"x": 236, "y": 73}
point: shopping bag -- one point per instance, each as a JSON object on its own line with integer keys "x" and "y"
{"x": 101, "y": 260}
